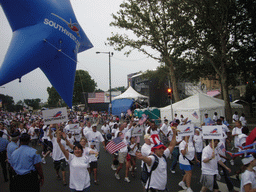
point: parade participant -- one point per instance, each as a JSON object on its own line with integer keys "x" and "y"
{"x": 210, "y": 160}
{"x": 105, "y": 130}
{"x": 87, "y": 128}
{"x": 146, "y": 147}
{"x": 198, "y": 142}
{"x": 33, "y": 134}
{"x": 5, "y": 131}
{"x": 221, "y": 149}
{"x": 71, "y": 140}
{"x": 26, "y": 164}
{"x": 242, "y": 119}
{"x": 158, "y": 178}
{"x": 79, "y": 179}
{"x": 21, "y": 128}
{"x": 248, "y": 181}
{"x": 67, "y": 128}
{"x": 164, "y": 131}
{"x": 237, "y": 130}
{"x": 95, "y": 136}
{"x": 175, "y": 152}
{"x": 215, "y": 116}
{"x": 153, "y": 129}
{"x": 242, "y": 137}
{"x": 12, "y": 146}
{"x": 93, "y": 162}
{"x": 122, "y": 154}
{"x": 3, "y": 157}
{"x": 58, "y": 157}
{"x": 235, "y": 117}
{"x": 132, "y": 148}
{"x": 187, "y": 155}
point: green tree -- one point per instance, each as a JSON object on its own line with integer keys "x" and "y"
{"x": 54, "y": 98}
{"x": 33, "y": 103}
{"x": 156, "y": 27}
{"x": 83, "y": 84}
{"x": 122, "y": 89}
{"x": 7, "y": 102}
{"x": 215, "y": 34}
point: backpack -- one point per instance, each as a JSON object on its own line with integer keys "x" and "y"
{"x": 145, "y": 175}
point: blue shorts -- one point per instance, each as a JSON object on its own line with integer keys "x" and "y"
{"x": 186, "y": 167}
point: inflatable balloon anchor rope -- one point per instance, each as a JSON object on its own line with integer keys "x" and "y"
{"x": 60, "y": 50}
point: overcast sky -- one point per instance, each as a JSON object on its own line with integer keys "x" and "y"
{"x": 94, "y": 17}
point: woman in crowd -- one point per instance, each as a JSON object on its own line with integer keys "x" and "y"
{"x": 79, "y": 179}
{"x": 187, "y": 155}
{"x": 248, "y": 181}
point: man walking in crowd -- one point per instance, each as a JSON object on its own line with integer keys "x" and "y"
{"x": 158, "y": 178}
{"x": 210, "y": 160}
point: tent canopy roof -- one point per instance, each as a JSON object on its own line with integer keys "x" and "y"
{"x": 200, "y": 101}
{"x": 130, "y": 93}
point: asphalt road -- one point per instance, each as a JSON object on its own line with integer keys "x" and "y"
{"x": 108, "y": 182}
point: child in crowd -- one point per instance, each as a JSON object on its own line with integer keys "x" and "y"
{"x": 132, "y": 148}
{"x": 93, "y": 158}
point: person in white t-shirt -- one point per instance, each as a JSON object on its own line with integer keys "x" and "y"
{"x": 146, "y": 147}
{"x": 79, "y": 179}
{"x": 242, "y": 119}
{"x": 158, "y": 179}
{"x": 33, "y": 135}
{"x": 210, "y": 160}
{"x": 87, "y": 128}
{"x": 198, "y": 142}
{"x": 237, "y": 130}
{"x": 71, "y": 140}
{"x": 215, "y": 116}
{"x": 187, "y": 154}
{"x": 248, "y": 179}
{"x": 132, "y": 149}
{"x": 242, "y": 137}
{"x": 164, "y": 131}
{"x": 95, "y": 136}
{"x": 153, "y": 129}
{"x": 235, "y": 117}
{"x": 59, "y": 161}
{"x": 93, "y": 157}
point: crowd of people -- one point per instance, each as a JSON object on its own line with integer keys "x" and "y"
{"x": 79, "y": 148}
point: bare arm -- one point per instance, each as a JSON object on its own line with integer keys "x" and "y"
{"x": 173, "y": 141}
{"x": 146, "y": 159}
{"x": 39, "y": 170}
{"x": 65, "y": 152}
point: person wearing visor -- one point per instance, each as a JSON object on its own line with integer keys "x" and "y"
{"x": 158, "y": 178}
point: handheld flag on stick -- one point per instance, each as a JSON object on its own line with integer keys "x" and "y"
{"x": 115, "y": 144}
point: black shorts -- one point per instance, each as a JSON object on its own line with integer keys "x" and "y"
{"x": 93, "y": 165}
{"x": 60, "y": 165}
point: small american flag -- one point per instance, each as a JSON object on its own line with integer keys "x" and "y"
{"x": 115, "y": 144}
{"x": 222, "y": 148}
{"x": 195, "y": 115}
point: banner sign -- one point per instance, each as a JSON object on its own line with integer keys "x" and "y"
{"x": 138, "y": 130}
{"x": 212, "y": 132}
{"x": 53, "y": 116}
{"x": 73, "y": 127}
{"x": 185, "y": 130}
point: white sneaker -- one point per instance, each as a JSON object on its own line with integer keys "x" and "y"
{"x": 43, "y": 161}
{"x": 189, "y": 190}
{"x": 113, "y": 167}
{"x": 126, "y": 179}
{"x": 232, "y": 162}
{"x": 117, "y": 176}
{"x": 183, "y": 185}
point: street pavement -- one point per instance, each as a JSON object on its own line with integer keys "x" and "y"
{"x": 108, "y": 182}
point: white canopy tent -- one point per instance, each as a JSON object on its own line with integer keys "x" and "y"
{"x": 200, "y": 104}
{"x": 130, "y": 93}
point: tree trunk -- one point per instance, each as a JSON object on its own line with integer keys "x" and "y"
{"x": 228, "y": 110}
{"x": 175, "y": 93}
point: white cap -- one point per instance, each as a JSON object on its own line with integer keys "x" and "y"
{"x": 247, "y": 159}
{"x": 147, "y": 136}
{"x": 94, "y": 125}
